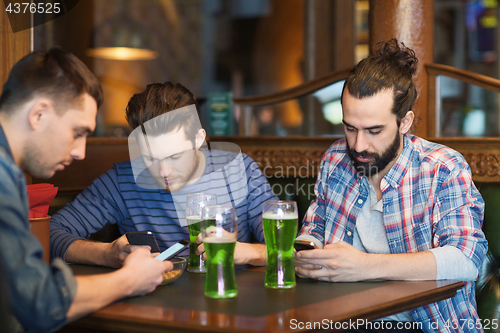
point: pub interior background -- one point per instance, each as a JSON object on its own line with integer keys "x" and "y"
{"x": 243, "y": 48}
{"x": 237, "y": 48}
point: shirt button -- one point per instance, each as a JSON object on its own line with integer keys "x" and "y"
{"x": 349, "y": 233}
{"x": 65, "y": 291}
{"x": 58, "y": 313}
{"x": 360, "y": 201}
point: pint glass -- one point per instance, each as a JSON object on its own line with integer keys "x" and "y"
{"x": 219, "y": 229}
{"x": 194, "y": 205}
{"x": 279, "y": 219}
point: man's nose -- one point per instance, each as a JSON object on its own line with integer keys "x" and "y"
{"x": 361, "y": 143}
{"x": 165, "y": 169}
{"x": 78, "y": 151}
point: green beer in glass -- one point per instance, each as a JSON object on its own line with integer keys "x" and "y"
{"x": 219, "y": 230}
{"x": 279, "y": 220}
{"x": 220, "y": 280}
{"x": 194, "y": 205}
{"x": 196, "y": 264}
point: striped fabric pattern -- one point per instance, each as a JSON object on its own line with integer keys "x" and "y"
{"x": 115, "y": 198}
{"x": 429, "y": 200}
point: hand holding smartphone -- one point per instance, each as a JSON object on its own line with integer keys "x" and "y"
{"x": 143, "y": 238}
{"x": 301, "y": 245}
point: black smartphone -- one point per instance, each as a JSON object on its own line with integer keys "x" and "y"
{"x": 173, "y": 250}
{"x": 301, "y": 245}
{"x": 143, "y": 238}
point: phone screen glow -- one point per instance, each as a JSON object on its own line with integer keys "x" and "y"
{"x": 171, "y": 251}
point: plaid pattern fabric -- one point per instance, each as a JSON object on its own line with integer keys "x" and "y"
{"x": 429, "y": 200}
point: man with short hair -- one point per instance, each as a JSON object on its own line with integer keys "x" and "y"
{"x": 390, "y": 205}
{"x": 48, "y": 107}
{"x": 169, "y": 159}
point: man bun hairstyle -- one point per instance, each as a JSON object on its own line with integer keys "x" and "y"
{"x": 392, "y": 66}
{"x": 55, "y": 74}
{"x": 159, "y": 99}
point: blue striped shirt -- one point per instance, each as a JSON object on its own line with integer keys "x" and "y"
{"x": 115, "y": 197}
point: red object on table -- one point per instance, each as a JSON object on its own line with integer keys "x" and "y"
{"x": 40, "y": 196}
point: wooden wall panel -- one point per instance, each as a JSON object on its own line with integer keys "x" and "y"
{"x": 279, "y": 157}
{"x": 13, "y": 46}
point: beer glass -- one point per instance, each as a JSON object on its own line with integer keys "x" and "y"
{"x": 194, "y": 205}
{"x": 219, "y": 230}
{"x": 279, "y": 219}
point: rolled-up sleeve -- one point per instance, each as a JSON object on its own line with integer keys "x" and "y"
{"x": 458, "y": 215}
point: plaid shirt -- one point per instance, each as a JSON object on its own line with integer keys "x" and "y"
{"x": 429, "y": 200}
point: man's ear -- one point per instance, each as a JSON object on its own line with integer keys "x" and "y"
{"x": 406, "y": 122}
{"x": 200, "y": 138}
{"x": 39, "y": 111}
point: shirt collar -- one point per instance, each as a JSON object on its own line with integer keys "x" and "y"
{"x": 395, "y": 175}
{"x": 5, "y": 144}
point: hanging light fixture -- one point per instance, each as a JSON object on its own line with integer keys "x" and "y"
{"x": 121, "y": 38}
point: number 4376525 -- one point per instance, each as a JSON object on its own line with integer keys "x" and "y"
{"x": 34, "y": 8}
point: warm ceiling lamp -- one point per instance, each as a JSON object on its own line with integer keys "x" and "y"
{"x": 121, "y": 38}
{"x": 122, "y": 53}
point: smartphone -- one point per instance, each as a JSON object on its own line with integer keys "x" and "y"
{"x": 173, "y": 250}
{"x": 301, "y": 245}
{"x": 143, "y": 238}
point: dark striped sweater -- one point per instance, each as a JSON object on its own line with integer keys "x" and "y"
{"x": 115, "y": 197}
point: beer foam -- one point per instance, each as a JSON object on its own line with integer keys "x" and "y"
{"x": 280, "y": 216}
{"x": 192, "y": 219}
{"x": 225, "y": 239}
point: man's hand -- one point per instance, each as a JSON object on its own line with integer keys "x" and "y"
{"x": 140, "y": 275}
{"x": 343, "y": 262}
{"x": 336, "y": 262}
{"x": 145, "y": 272}
{"x": 250, "y": 253}
{"x": 119, "y": 250}
{"x": 244, "y": 253}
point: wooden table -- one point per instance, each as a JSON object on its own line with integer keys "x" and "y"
{"x": 182, "y": 307}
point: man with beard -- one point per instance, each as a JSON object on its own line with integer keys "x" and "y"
{"x": 169, "y": 160}
{"x": 390, "y": 205}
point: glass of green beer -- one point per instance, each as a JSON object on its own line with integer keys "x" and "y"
{"x": 279, "y": 220}
{"x": 194, "y": 205}
{"x": 219, "y": 230}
